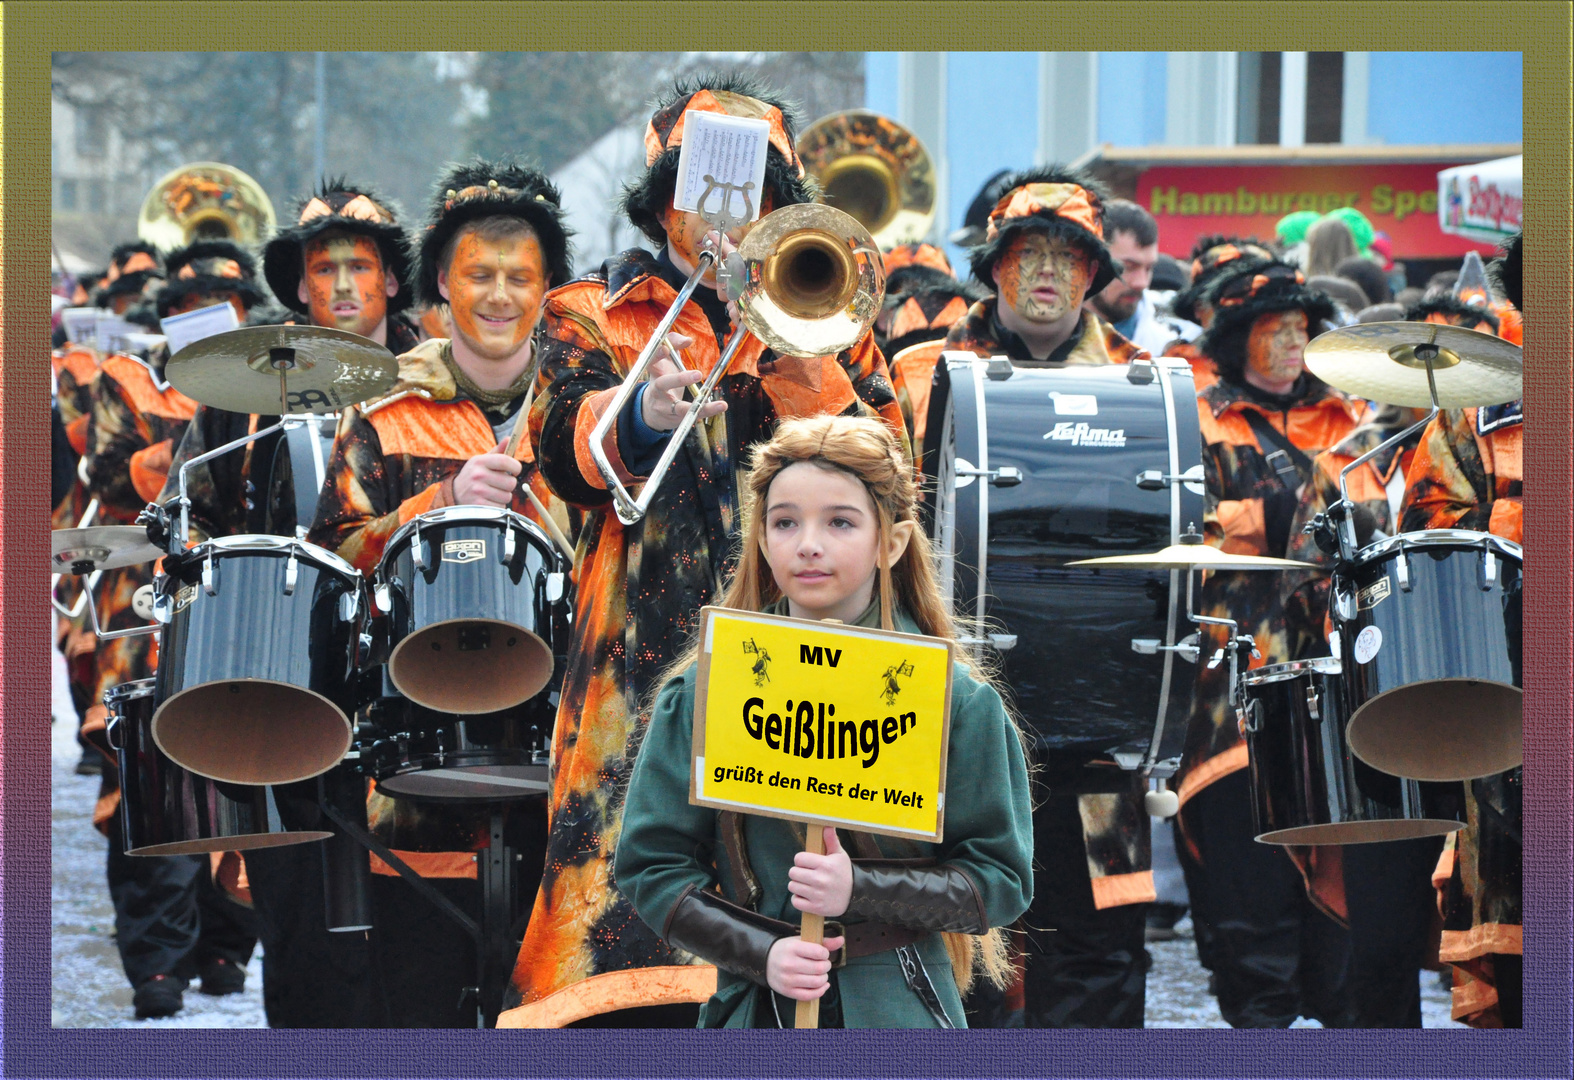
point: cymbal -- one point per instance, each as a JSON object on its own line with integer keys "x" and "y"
{"x": 326, "y": 369}
{"x": 1194, "y": 557}
{"x": 104, "y": 547}
{"x": 1384, "y": 361}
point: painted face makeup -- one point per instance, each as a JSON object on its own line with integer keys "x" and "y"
{"x": 345, "y": 286}
{"x": 1043, "y": 279}
{"x": 1276, "y": 347}
{"x": 686, "y": 232}
{"x": 494, "y": 290}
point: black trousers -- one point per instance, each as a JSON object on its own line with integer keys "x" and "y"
{"x": 1274, "y": 956}
{"x": 170, "y": 918}
{"x": 1083, "y": 967}
{"x": 1388, "y": 890}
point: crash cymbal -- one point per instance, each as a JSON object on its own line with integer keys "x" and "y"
{"x": 1193, "y": 557}
{"x": 104, "y": 547}
{"x": 325, "y": 369}
{"x": 1385, "y": 361}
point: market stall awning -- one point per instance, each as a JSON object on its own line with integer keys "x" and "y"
{"x": 1482, "y": 201}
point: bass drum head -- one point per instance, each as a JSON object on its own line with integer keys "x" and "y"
{"x": 470, "y": 666}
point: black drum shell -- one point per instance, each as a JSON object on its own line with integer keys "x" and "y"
{"x": 167, "y": 810}
{"x": 1449, "y": 624}
{"x": 1307, "y": 787}
{"x": 448, "y": 591}
{"x": 1075, "y": 679}
{"x": 249, "y": 631}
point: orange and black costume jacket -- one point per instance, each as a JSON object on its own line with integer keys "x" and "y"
{"x": 75, "y": 367}
{"x": 394, "y": 457}
{"x": 1115, "y": 827}
{"x": 638, "y": 594}
{"x": 1469, "y": 474}
{"x": 135, "y": 420}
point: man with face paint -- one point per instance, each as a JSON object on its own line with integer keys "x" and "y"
{"x": 587, "y": 956}
{"x": 1275, "y": 917}
{"x": 494, "y": 243}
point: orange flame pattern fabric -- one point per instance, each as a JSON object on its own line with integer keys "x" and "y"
{"x": 1069, "y": 201}
{"x": 725, "y": 103}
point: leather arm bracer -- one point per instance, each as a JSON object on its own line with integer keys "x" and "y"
{"x": 726, "y": 934}
{"x": 924, "y": 897}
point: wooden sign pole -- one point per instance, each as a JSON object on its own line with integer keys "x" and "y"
{"x": 813, "y": 929}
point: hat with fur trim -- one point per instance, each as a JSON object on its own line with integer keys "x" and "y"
{"x": 338, "y": 206}
{"x": 1054, "y": 199}
{"x": 1445, "y": 308}
{"x": 1509, "y": 269}
{"x": 1268, "y": 288}
{"x": 208, "y": 268}
{"x": 481, "y": 189}
{"x": 1209, "y": 257}
{"x": 646, "y": 200}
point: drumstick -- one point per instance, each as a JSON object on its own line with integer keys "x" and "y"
{"x": 549, "y": 524}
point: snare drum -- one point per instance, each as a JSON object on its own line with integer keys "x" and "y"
{"x": 256, "y": 666}
{"x": 1033, "y": 468}
{"x": 167, "y": 810}
{"x": 1429, "y": 627}
{"x": 468, "y": 592}
{"x": 1307, "y": 788}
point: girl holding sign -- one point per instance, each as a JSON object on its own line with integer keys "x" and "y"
{"x": 831, "y": 532}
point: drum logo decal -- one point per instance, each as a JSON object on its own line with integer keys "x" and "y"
{"x": 1367, "y": 642}
{"x": 1083, "y": 435}
{"x": 464, "y": 551}
{"x": 1373, "y": 595}
{"x": 184, "y": 597}
{"x": 1074, "y": 404}
{"x": 762, "y": 662}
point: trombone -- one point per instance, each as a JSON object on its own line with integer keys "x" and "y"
{"x": 812, "y": 282}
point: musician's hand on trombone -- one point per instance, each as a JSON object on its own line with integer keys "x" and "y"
{"x": 488, "y": 479}
{"x": 664, "y": 404}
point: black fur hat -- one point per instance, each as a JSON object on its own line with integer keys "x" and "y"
{"x": 1210, "y": 256}
{"x": 1449, "y": 305}
{"x": 123, "y": 252}
{"x": 342, "y": 207}
{"x": 482, "y": 189}
{"x": 646, "y": 200}
{"x": 984, "y": 257}
{"x": 208, "y": 267}
{"x": 921, "y": 302}
{"x": 132, "y": 284}
{"x": 1243, "y": 297}
{"x": 1509, "y": 269}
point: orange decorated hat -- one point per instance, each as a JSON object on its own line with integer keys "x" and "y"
{"x": 1055, "y": 199}
{"x": 339, "y": 206}
{"x": 208, "y": 267}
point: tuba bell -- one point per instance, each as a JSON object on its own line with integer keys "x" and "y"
{"x": 812, "y": 282}
{"x": 873, "y": 168}
{"x": 205, "y": 200}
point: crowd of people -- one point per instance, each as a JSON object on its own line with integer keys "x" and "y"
{"x": 797, "y": 494}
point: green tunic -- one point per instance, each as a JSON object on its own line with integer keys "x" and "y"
{"x": 667, "y": 845}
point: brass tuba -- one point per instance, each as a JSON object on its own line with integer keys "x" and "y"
{"x": 874, "y": 169}
{"x": 205, "y": 200}
{"x": 812, "y": 282}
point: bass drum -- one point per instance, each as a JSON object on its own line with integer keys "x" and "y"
{"x": 1028, "y": 469}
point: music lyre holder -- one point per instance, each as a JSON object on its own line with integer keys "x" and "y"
{"x": 496, "y": 948}
{"x": 1343, "y": 512}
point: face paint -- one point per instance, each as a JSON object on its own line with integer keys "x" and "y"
{"x": 1043, "y": 279}
{"x": 494, "y": 290}
{"x": 1276, "y": 347}
{"x": 345, "y": 285}
{"x": 686, "y": 232}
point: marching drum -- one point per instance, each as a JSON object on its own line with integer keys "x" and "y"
{"x": 1428, "y": 625}
{"x": 468, "y": 592}
{"x": 1307, "y": 788}
{"x": 1033, "y": 468}
{"x": 256, "y": 680}
{"x": 167, "y": 810}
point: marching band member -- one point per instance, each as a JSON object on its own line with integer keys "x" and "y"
{"x": 1469, "y": 474}
{"x": 639, "y": 588}
{"x": 1261, "y": 421}
{"x": 1212, "y": 259}
{"x": 494, "y": 244}
{"x": 923, "y": 300}
{"x": 835, "y": 495}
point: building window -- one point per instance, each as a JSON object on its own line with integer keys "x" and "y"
{"x": 68, "y": 194}
{"x": 1324, "y": 96}
{"x": 92, "y": 131}
{"x": 1257, "y": 98}
{"x": 95, "y": 197}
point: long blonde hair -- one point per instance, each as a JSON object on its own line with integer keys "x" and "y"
{"x": 865, "y": 449}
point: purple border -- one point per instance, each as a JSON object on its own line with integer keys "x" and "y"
{"x": 31, "y": 1048}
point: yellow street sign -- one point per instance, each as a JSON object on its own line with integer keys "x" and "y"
{"x": 822, "y": 723}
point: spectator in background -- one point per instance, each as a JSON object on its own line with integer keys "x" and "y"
{"x": 1290, "y": 234}
{"x": 1346, "y": 294}
{"x": 1361, "y": 231}
{"x": 1442, "y": 282}
{"x": 1170, "y": 275}
{"x": 1369, "y": 276}
{"x": 1125, "y": 303}
{"x": 1328, "y": 243}
{"x": 1381, "y": 313}
{"x": 1408, "y": 296}
{"x": 975, "y": 222}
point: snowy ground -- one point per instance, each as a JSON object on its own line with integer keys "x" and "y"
{"x": 90, "y": 989}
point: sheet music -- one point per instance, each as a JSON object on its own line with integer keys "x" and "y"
{"x": 730, "y": 150}
{"x": 182, "y": 330}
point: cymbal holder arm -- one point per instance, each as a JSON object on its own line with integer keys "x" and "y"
{"x": 110, "y": 635}
{"x": 1346, "y": 524}
{"x": 202, "y": 459}
{"x": 629, "y": 509}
